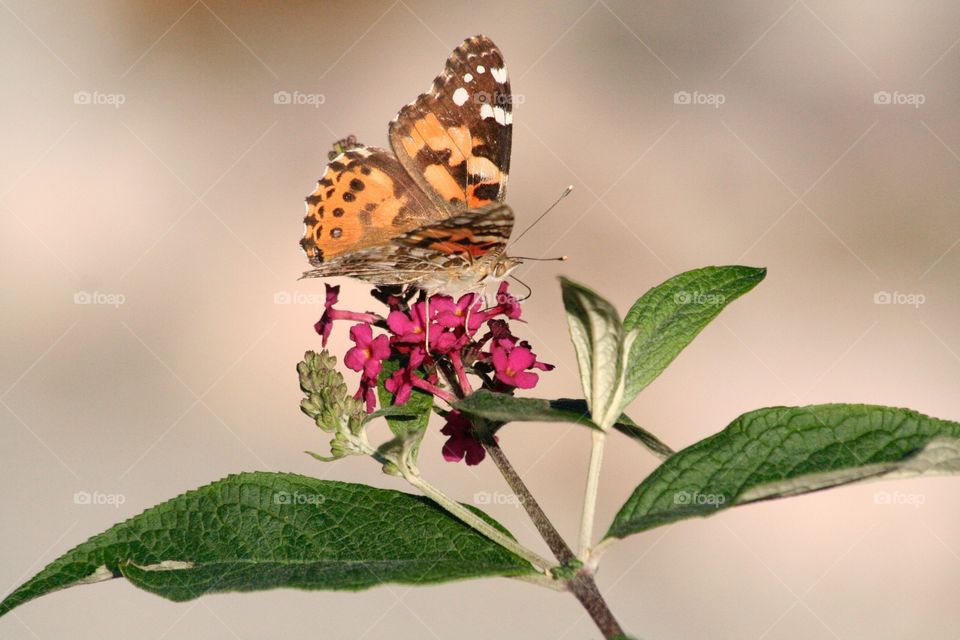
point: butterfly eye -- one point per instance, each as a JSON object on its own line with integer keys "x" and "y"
{"x": 504, "y": 267}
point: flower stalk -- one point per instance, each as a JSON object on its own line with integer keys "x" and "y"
{"x": 437, "y": 344}
{"x": 471, "y": 519}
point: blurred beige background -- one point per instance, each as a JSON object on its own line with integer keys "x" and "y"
{"x": 169, "y": 191}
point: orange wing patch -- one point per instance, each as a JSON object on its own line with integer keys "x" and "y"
{"x": 364, "y": 198}
{"x": 447, "y": 161}
{"x": 444, "y": 147}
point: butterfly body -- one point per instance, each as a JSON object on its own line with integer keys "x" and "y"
{"x": 429, "y": 213}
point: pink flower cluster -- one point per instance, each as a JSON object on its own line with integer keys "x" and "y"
{"x": 457, "y": 348}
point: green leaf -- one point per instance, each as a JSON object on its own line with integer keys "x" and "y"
{"x": 669, "y": 316}
{"x": 503, "y": 408}
{"x": 785, "y": 451}
{"x": 408, "y": 421}
{"x": 597, "y": 335}
{"x": 629, "y": 428}
{"x": 257, "y": 531}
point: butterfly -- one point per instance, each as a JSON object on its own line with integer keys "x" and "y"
{"x": 430, "y": 213}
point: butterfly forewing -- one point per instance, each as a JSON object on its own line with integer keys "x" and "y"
{"x": 455, "y": 139}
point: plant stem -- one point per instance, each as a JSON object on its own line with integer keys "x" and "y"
{"x": 551, "y": 536}
{"x": 547, "y": 582}
{"x": 457, "y": 361}
{"x": 590, "y": 495}
{"x": 585, "y": 589}
{"x": 473, "y": 520}
{"x": 582, "y": 585}
{"x": 419, "y": 383}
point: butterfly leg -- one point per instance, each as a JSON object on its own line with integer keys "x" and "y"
{"x": 480, "y": 295}
{"x": 466, "y": 317}
{"x": 426, "y": 322}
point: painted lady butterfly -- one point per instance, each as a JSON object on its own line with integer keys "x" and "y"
{"x": 430, "y": 214}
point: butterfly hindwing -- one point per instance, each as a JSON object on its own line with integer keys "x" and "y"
{"x": 437, "y": 252}
{"x": 455, "y": 139}
{"x": 471, "y": 235}
{"x": 364, "y": 198}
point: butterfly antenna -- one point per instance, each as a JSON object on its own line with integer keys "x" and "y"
{"x": 557, "y": 259}
{"x": 563, "y": 195}
{"x": 525, "y": 286}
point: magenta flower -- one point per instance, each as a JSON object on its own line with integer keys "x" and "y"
{"x": 369, "y": 353}
{"x": 447, "y": 342}
{"x": 461, "y": 444}
{"x": 456, "y": 359}
{"x": 499, "y": 332}
{"x": 408, "y": 327}
{"x": 451, "y": 314}
{"x": 325, "y": 323}
{"x": 401, "y": 383}
{"x": 510, "y": 363}
{"x": 507, "y": 305}
{"x": 368, "y": 393}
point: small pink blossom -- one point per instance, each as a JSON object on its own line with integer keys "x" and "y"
{"x": 451, "y": 314}
{"x": 461, "y": 444}
{"x": 507, "y": 305}
{"x": 447, "y": 342}
{"x": 510, "y": 363}
{"x": 401, "y": 383}
{"x": 408, "y": 327}
{"x": 368, "y": 354}
{"x": 368, "y": 393}
{"x": 325, "y": 324}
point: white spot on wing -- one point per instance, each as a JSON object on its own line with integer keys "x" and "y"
{"x": 501, "y": 115}
{"x": 481, "y": 68}
{"x": 500, "y": 75}
{"x": 468, "y": 77}
{"x": 460, "y": 96}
